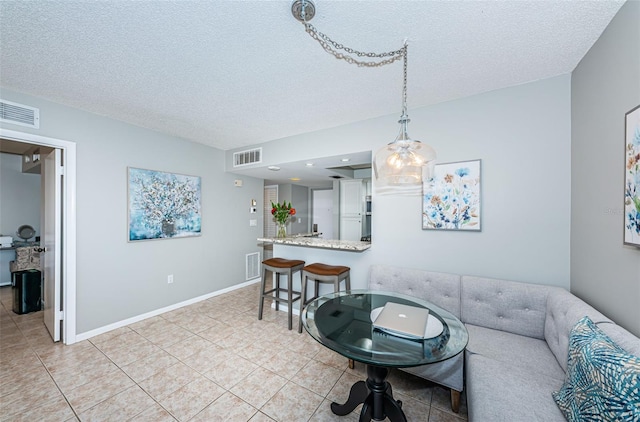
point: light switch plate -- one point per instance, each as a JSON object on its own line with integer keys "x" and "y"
{"x": 253, "y": 223}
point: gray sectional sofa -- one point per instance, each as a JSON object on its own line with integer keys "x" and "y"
{"x": 518, "y": 340}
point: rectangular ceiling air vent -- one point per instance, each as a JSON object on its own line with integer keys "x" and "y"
{"x": 19, "y": 114}
{"x": 250, "y": 156}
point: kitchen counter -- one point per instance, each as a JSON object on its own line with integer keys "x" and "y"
{"x": 318, "y": 242}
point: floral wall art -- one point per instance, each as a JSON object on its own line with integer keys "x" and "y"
{"x": 452, "y": 197}
{"x": 163, "y": 205}
{"x": 632, "y": 178}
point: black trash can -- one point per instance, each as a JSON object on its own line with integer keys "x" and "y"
{"x": 26, "y": 286}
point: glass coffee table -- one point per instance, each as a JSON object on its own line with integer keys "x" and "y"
{"x": 342, "y": 321}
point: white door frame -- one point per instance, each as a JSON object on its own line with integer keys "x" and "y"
{"x": 68, "y": 223}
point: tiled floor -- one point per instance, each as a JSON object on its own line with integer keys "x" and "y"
{"x": 188, "y": 365}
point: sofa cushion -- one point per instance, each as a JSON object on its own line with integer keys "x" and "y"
{"x": 603, "y": 381}
{"x": 510, "y": 306}
{"x": 504, "y": 392}
{"x": 529, "y": 353}
{"x": 441, "y": 289}
{"x": 564, "y": 310}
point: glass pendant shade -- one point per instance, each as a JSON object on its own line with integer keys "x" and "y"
{"x": 402, "y": 165}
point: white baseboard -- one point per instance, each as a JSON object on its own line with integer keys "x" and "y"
{"x": 137, "y": 318}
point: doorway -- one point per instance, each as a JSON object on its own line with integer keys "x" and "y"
{"x": 67, "y": 231}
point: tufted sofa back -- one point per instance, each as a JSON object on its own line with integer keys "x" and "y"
{"x": 441, "y": 289}
{"x": 564, "y": 310}
{"x": 511, "y": 306}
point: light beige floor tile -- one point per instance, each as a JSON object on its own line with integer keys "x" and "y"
{"x": 87, "y": 396}
{"x": 26, "y": 398}
{"x": 196, "y": 322}
{"x": 170, "y": 335}
{"x": 143, "y": 368}
{"x": 188, "y": 347}
{"x": 331, "y": 358}
{"x": 340, "y": 391}
{"x": 229, "y": 372}
{"x": 260, "y": 417}
{"x": 189, "y": 400}
{"x": 125, "y": 355}
{"x": 228, "y": 408}
{"x": 128, "y": 339}
{"x": 286, "y": 363}
{"x": 258, "y": 387}
{"x": 54, "y": 410}
{"x": 317, "y": 377}
{"x": 78, "y": 376}
{"x": 168, "y": 380}
{"x": 217, "y": 332}
{"x": 324, "y": 414}
{"x": 15, "y": 379}
{"x": 292, "y": 403}
{"x": 413, "y": 409}
{"x": 205, "y": 360}
{"x": 155, "y": 413}
{"x": 411, "y": 385}
{"x": 121, "y": 407}
{"x": 109, "y": 335}
{"x": 89, "y": 378}
{"x": 256, "y": 354}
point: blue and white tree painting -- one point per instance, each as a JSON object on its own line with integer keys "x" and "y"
{"x": 163, "y": 205}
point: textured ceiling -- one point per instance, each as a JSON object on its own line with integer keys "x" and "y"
{"x": 236, "y": 73}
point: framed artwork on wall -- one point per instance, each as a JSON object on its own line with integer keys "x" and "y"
{"x": 632, "y": 177}
{"x": 451, "y": 199}
{"x": 163, "y": 205}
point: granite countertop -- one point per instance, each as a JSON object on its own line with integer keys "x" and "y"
{"x": 318, "y": 242}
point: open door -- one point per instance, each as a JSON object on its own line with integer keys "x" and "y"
{"x": 51, "y": 233}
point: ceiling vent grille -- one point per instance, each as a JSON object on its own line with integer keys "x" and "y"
{"x": 19, "y": 114}
{"x": 250, "y": 156}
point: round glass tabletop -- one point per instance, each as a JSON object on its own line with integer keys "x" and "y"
{"x": 342, "y": 321}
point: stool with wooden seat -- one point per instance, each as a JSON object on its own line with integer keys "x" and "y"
{"x": 280, "y": 266}
{"x": 322, "y": 273}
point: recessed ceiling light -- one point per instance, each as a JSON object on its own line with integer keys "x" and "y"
{"x": 345, "y": 160}
{"x": 309, "y": 164}
{"x": 295, "y": 179}
{"x": 273, "y": 168}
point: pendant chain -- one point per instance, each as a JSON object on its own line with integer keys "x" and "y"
{"x": 332, "y": 48}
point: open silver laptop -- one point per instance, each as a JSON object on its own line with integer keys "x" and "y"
{"x": 402, "y": 320}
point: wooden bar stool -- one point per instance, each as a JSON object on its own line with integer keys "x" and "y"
{"x": 280, "y": 266}
{"x": 322, "y": 273}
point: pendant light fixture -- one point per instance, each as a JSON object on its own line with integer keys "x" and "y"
{"x": 401, "y": 166}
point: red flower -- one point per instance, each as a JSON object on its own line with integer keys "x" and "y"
{"x": 292, "y": 211}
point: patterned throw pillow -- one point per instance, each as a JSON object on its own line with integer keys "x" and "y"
{"x": 602, "y": 382}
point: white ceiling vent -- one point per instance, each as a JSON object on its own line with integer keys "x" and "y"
{"x": 250, "y": 156}
{"x": 19, "y": 114}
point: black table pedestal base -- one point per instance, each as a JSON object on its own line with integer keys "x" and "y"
{"x": 376, "y": 396}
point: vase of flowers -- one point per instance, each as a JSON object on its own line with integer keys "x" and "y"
{"x": 281, "y": 213}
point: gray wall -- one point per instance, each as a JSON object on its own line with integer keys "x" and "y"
{"x": 19, "y": 196}
{"x": 522, "y": 134}
{"x": 605, "y": 85}
{"x": 117, "y": 280}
